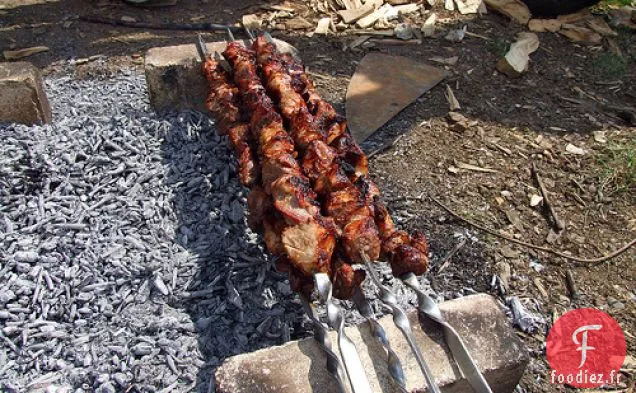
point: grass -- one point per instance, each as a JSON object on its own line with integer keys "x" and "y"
{"x": 610, "y": 65}
{"x": 619, "y": 3}
{"x": 617, "y": 172}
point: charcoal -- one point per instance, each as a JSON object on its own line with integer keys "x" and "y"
{"x": 124, "y": 251}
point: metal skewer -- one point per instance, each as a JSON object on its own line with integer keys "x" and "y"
{"x": 321, "y": 335}
{"x": 393, "y": 361}
{"x": 459, "y": 351}
{"x": 401, "y": 321}
{"x": 335, "y": 318}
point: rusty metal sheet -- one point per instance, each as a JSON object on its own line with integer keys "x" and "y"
{"x": 382, "y": 86}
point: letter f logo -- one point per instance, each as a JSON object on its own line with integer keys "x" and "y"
{"x": 584, "y": 347}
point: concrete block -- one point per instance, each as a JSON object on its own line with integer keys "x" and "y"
{"x": 22, "y": 97}
{"x": 174, "y": 78}
{"x": 299, "y": 366}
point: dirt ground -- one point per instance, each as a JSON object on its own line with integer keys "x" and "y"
{"x": 511, "y": 124}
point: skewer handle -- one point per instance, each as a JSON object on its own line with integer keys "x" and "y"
{"x": 335, "y": 318}
{"x": 458, "y": 349}
{"x": 393, "y": 361}
{"x": 321, "y": 335}
{"x": 402, "y": 322}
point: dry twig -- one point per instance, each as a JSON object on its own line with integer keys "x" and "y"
{"x": 582, "y": 261}
{"x": 558, "y": 224}
{"x": 446, "y": 260}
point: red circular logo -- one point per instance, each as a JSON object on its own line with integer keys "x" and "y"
{"x": 585, "y": 349}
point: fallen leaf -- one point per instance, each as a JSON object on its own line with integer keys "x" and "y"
{"x": 20, "y": 53}
{"x": 599, "y": 25}
{"x": 580, "y": 34}
{"x": 570, "y": 148}
{"x": 543, "y": 25}
{"x": 576, "y": 17}
{"x": 514, "y": 9}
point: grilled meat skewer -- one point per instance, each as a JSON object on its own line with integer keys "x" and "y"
{"x": 306, "y": 238}
{"x": 223, "y": 102}
{"x": 342, "y": 199}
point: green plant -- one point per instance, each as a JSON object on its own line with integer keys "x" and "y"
{"x": 610, "y": 65}
{"x": 617, "y": 172}
{"x": 498, "y": 46}
{"x": 620, "y": 3}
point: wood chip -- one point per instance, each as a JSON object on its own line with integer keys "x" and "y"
{"x": 449, "y": 5}
{"x": 514, "y": 9}
{"x": 323, "y": 26}
{"x": 452, "y": 101}
{"x": 599, "y": 136}
{"x": 369, "y": 20}
{"x": 468, "y": 6}
{"x": 516, "y": 61}
{"x": 350, "y": 16}
{"x": 298, "y": 24}
{"x": 570, "y": 148}
{"x": 358, "y": 41}
{"x": 537, "y": 283}
{"x": 544, "y": 25}
{"x": 428, "y": 29}
{"x": 407, "y": 8}
{"x": 20, "y": 53}
{"x": 251, "y": 21}
{"x": 375, "y": 3}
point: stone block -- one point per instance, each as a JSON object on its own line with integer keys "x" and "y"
{"x": 22, "y": 97}
{"x": 299, "y": 366}
{"x": 174, "y": 79}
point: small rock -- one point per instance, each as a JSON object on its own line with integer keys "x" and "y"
{"x": 535, "y": 200}
{"x": 456, "y": 35}
{"x": 403, "y": 31}
{"x": 618, "y": 305}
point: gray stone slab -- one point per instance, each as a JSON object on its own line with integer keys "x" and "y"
{"x": 299, "y": 366}
{"x": 174, "y": 78}
{"x": 22, "y": 97}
